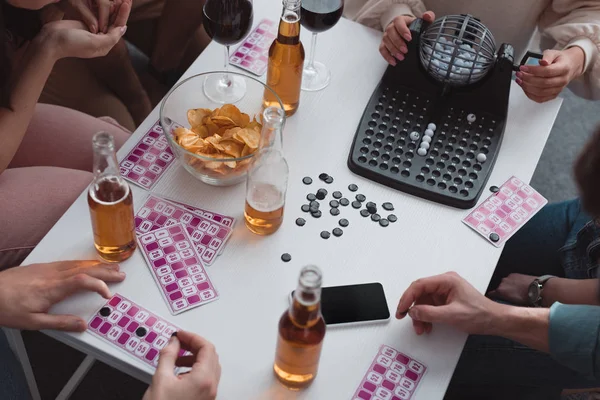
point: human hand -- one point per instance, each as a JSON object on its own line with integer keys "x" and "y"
{"x": 447, "y": 299}
{"x": 97, "y": 15}
{"x": 68, "y": 38}
{"x": 557, "y": 69}
{"x": 396, "y": 35}
{"x": 513, "y": 289}
{"x": 28, "y": 292}
{"x": 199, "y": 384}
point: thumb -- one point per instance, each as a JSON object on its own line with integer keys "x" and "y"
{"x": 549, "y": 57}
{"x": 67, "y": 323}
{"x": 427, "y": 313}
{"x": 429, "y": 16}
{"x": 168, "y": 357}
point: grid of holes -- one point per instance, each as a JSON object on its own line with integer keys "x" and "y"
{"x": 386, "y": 144}
{"x": 451, "y": 163}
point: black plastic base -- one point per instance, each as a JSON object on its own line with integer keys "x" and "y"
{"x": 407, "y": 100}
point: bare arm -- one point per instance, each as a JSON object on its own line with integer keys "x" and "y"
{"x": 514, "y": 287}
{"x": 35, "y": 67}
{"x": 528, "y": 326}
{"x": 570, "y": 333}
{"x": 570, "y": 291}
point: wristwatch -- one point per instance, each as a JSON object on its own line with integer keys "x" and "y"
{"x": 536, "y": 288}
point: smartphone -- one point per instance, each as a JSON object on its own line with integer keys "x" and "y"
{"x": 353, "y": 304}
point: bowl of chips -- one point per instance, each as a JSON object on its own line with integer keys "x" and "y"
{"x": 214, "y": 142}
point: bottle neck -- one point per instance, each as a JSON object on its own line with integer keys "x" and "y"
{"x": 272, "y": 133}
{"x": 289, "y": 26}
{"x": 105, "y": 157}
{"x": 305, "y": 310}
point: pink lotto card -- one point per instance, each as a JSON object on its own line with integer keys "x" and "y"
{"x": 209, "y": 237}
{"x": 503, "y": 213}
{"x": 391, "y": 376}
{"x": 147, "y": 162}
{"x": 220, "y": 218}
{"x": 253, "y": 53}
{"x": 133, "y": 329}
{"x": 177, "y": 268}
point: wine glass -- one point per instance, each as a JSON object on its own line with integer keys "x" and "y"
{"x": 227, "y": 22}
{"x": 318, "y": 16}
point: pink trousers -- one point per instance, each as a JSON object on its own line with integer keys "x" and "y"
{"x": 50, "y": 170}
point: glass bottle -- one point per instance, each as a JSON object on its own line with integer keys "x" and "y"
{"x": 111, "y": 204}
{"x": 286, "y": 61}
{"x": 301, "y": 333}
{"x": 267, "y": 178}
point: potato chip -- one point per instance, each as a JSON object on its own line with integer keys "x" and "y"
{"x": 196, "y": 116}
{"x": 211, "y": 127}
{"x": 228, "y": 134}
{"x": 232, "y": 148}
{"x": 247, "y": 150}
{"x": 219, "y": 135}
{"x": 201, "y": 131}
{"x": 249, "y": 136}
{"x": 223, "y": 121}
{"x": 254, "y": 125}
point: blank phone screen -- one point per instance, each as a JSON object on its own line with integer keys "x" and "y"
{"x": 354, "y": 303}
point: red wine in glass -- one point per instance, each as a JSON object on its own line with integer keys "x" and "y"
{"x": 320, "y": 15}
{"x": 227, "y": 22}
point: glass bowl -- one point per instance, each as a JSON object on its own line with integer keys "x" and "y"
{"x": 189, "y": 94}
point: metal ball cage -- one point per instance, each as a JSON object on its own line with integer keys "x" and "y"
{"x": 457, "y": 50}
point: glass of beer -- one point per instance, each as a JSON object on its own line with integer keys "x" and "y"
{"x": 268, "y": 177}
{"x": 111, "y": 204}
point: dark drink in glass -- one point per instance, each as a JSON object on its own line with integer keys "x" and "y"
{"x": 320, "y": 15}
{"x": 227, "y": 22}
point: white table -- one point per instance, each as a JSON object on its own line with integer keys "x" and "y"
{"x": 254, "y": 283}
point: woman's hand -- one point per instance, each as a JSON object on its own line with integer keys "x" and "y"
{"x": 396, "y": 35}
{"x": 557, "y": 69}
{"x": 97, "y": 15}
{"x": 28, "y": 292}
{"x": 198, "y": 384}
{"x": 447, "y": 299}
{"x": 70, "y": 38}
{"x": 513, "y": 289}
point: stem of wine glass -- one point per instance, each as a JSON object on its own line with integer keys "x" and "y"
{"x": 313, "y": 48}
{"x": 226, "y": 81}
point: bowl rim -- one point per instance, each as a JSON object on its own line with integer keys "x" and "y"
{"x": 205, "y": 74}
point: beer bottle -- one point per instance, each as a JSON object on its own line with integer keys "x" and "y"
{"x": 267, "y": 178}
{"x": 111, "y": 204}
{"x": 301, "y": 333}
{"x": 286, "y": 60}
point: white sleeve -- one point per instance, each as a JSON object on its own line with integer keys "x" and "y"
{"x": 570, "y": 23}
{"x": 378, "y": 14}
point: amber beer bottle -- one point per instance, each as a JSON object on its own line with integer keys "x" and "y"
{"x": 111, "y": 204}
{"x": 286, "y": 60}
{"x": 301, "y": 333}
{"x": 267, "y": 179}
